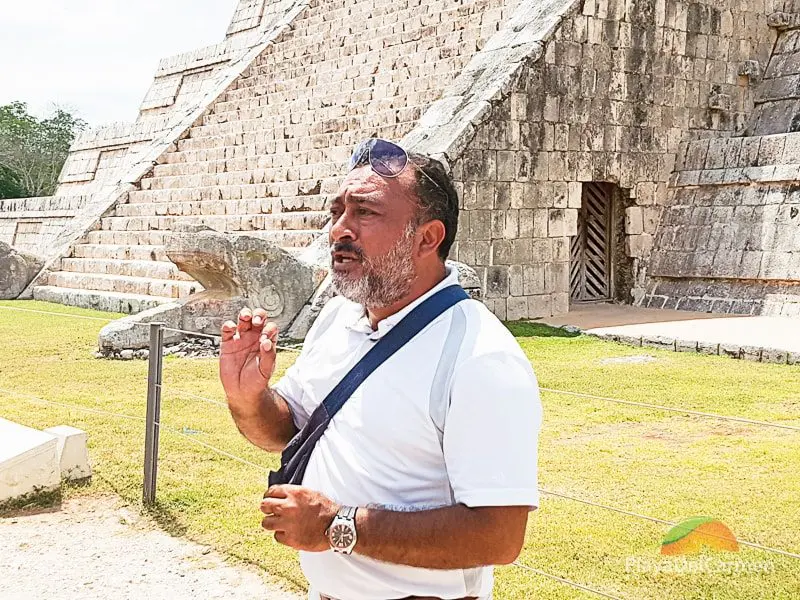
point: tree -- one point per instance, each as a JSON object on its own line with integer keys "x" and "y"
{"x": 32, "y": 151}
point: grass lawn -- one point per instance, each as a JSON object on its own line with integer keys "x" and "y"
{"x": 649, "y": 462}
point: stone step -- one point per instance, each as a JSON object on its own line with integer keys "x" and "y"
{"x": 265, "y": 206}
{"x": 206, "y": 179}
{"x": 289, "y": 221}
{"x": 123, "y": 283}
{"x": 119, "y": 252}
{"x": 289, "y": 238}
{"x": 251, "y": 203}
{"x": 98, "y": 300}
{"x": 133, "y": 268}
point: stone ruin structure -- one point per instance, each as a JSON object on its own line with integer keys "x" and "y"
{"x": 643, "y": 151}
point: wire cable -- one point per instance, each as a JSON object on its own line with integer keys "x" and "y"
{"x": 190, "y": 395}
{"x": 684, "y": 411}
{"x": 77, "y": 407}
{"x": 211, "y": 447}
{"x": 58, "y": 314}
{"x": 563, "y": 580}
{"x": 663, "y": 522}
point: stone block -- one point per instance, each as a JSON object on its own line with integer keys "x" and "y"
{"x": 516, "y": 308}
{"x": 497, "y": 282}
{"x": 708, "y": 348}
{"x": 133, "y": 332}
{"x": 659, "y": 341}
{"x": 730, "y": 350}
{"x": 634, "y": 223}
{"x": 240, "y": 270}
{"x": 751, "y": 353}
{"x": 540, "y": 306}
{"x": 17, "y": 270}
{"x": 73, "y": 455}
{"x": 685, "y": 346}
{"x": 28, "y": 461}
{"x": 773, "y": 355}
{"x": 556, "y": 223}
{"x": 630, "y": 340}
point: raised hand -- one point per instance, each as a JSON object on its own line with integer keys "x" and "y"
{"x": 247, "y": 357}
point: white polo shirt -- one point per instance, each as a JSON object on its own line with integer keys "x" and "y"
{"x": 452, "y": 417}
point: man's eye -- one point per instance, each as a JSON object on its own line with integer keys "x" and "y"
{"x": 364, "y": 211}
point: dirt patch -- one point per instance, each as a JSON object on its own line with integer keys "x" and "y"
{"x": 93, "y": 548}
{"x": 675, "y": 432}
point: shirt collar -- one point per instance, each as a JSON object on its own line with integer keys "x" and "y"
{"x": 361, "y": 323}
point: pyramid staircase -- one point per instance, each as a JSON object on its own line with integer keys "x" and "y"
{"x": 268, "y": 152}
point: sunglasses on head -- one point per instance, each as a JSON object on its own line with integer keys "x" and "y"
{"x": 385, "y": 158}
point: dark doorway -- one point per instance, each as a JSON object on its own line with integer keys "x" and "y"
{"x": 591, "y": 265}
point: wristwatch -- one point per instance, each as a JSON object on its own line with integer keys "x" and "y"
{"x": 342, "y": 532}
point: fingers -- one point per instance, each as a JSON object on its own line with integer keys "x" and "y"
{"x": 245, "y": 320}
{"x": 271, "y": 329}
{"x": 279, "y": 491}
{"x": 271, "y": 506}
{"x": 271, "y": 523}
{"x": 259, "y": 317}
{"x": 228, "y": 331}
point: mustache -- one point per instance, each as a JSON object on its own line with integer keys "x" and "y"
{"x": 347, "y": 247}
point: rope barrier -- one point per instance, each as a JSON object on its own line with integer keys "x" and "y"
{"x": 77, "y": 407}
{"x": 190, "y": 395}
{"x": 663, "y": 522}
{"x": 210, "y": 447}
{"x": 58, "y": 314}
{"x": 574, "y": 584}
{"x": 672, "y": 409}
{"x": 185, "y": 331}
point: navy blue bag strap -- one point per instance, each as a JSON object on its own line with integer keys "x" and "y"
{"x": 297, "y": 453}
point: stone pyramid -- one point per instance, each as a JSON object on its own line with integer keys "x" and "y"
{"x": 641, "y": 151}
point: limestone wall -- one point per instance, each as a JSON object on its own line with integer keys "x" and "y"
{"x": 31, "y": 224}
{"x": 620, "y": 85}
{"x": 729, "y": 240}
{"x": 279, "y": 138}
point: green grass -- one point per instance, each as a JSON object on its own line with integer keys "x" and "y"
{"x": 650, "y": 462}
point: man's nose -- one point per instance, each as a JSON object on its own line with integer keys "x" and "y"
{"x": 341, "y": 229}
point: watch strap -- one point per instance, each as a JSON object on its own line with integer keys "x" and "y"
{"x": 347, "y": 512}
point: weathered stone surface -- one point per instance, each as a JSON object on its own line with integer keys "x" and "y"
{"x": 238, "y": 271}
{"x": 133, "y": 332}
{"x": 17, "y": 269}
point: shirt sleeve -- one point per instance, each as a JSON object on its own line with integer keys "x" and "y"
{"x": 290, "y": 386}
{"x": 491, "y": 432}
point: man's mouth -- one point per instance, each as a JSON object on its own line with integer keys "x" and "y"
{"x": 345, "y": 258}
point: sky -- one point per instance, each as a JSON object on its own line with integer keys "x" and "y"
{"x": 98, "y": 57}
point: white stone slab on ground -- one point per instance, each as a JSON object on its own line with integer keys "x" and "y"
{"x": 73, "y": 455}
{"x": 768, "y": 339}
{"x": 28, "y": 461}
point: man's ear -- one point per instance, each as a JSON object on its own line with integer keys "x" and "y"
{"x": 431, "y": 236}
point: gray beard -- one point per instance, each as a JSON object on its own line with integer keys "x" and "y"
{"x": 386, "y": 279}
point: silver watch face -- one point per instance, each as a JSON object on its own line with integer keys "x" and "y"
{"x": 342, "y": 536}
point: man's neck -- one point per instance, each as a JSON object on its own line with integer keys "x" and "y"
{"x": 424, "y": 283}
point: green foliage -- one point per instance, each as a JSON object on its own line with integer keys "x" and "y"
{"x": 32, "y": 151}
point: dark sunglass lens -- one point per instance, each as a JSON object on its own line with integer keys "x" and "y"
{"x": 360, "y": 154}
{"x": 387, "y": 159}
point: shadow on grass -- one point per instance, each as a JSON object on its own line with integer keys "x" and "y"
{"x": 35, "y": 503}
{"x": 526, "y": 329}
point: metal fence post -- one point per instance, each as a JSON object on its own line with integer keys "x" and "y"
{"x": 153, "y": 417}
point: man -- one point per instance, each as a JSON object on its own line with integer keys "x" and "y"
{"x": 426, "y": 476}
